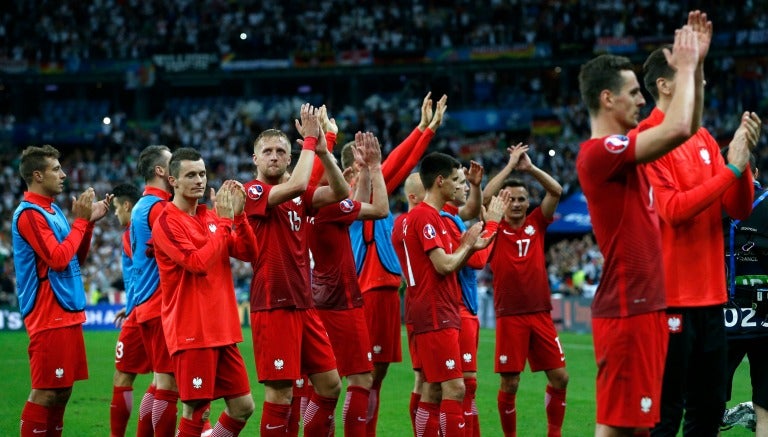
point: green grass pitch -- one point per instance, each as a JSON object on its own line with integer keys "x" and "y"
{"x": 88, "y": 410}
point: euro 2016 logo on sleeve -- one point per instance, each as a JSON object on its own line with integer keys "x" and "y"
{"x": 346, "y": 206}
{"x": 255, "y": 192}
{"x": 616, "y": 143}
{"x": 429, "y": 231}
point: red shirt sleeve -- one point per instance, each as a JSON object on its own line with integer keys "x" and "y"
{"x": 606, "y": 158}
{"x": 404, "y": 158}
{"x": 85, "y": 243}
{"x": 677, "y": 206}
{"x": 479, "y": 259}
{"x": 242, "y": 243}
{"x": 35, "y": 230}
{"x": 738, "y": 198}
{"x": 170, "y": 236}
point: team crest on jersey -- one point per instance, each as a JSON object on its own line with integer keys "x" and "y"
{"x": 59, "y": 373}
{"x": 704, "y": 153}
{"x": 347, "y": 205}
{"x": 429, "y": 231}
{"x": 616, "y": 143}
{"x": 529, "y": 230}
{"x": 197, "y": 382}
{"x": 450, "y": 364}
{"x": 255, "y": 191}
{"x": 212, "y": 227}
{"x": 297, "y": 200}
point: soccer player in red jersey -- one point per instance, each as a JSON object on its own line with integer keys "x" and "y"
{"x": 288, "y": 336}
{"x": 130, "y": 357}
{"x": 377, "y": 267}
{"x": 522, "y": 298}
{"x": 335, "y": 289}
{"x": 157, "y": 411}
{"x": 193, "y": 246}
{"x": 430, "y": 260}
{"x": 628, "y": 319}
{"x": 48, "y": 253}
{"x": 693, "y": 186}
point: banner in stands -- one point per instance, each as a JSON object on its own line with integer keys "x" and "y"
{"x": 97, "y": 317}
{"x": 571, "y": 216}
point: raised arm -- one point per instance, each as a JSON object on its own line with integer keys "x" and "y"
{"x": 494, "y": 185}
{"x": 678, "y": 120}
{"x": 471, "y": 209}
{"x": 551, "y": 186}
{"x": 404, "y": 157}
{"x": 337, "y": 188}
{"x": 379, "y": 203}
{"x": 331, "y": 130}
{"x": 702, "y": 28}
{"x": 297, "y": 183}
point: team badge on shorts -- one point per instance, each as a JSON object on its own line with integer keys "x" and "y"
{"x": 429, "y": 231}
{"x": 346, "y": 205}
{"x": 255, "y": 192}
{"x": 616, "y": 143}
{"x": 675, "y": 323}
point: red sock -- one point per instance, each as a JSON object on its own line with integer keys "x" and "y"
{"x": 470, "y": 415}
{"x": 507, "y": 413}
{"x": 295, "y": 416}
{"x": 189, "y": 428}
{"x": 373, "y": 409}
{"x": 427, "y": 419}
{"x": 120, "y": 410}
{"x": 318, "y": 419}
{"x": 145, "y": 428}
{"x": 55, "y": 420}
{"x": 164, "y": 411}
{"x": 555, "y": 405}
{"x": 355, "y": 412}
{"x": 452, "y": 418}
{"x": 207, "y": 429}
{"x": 274, "y": 419}
{"x": 413, "y": 407}
{"x": 227, "y": 426}
{"x": 476, "y": 425}
{"x": 34, "y": 420}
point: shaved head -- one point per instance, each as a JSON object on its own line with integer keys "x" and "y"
{"x": 414, "y": 189}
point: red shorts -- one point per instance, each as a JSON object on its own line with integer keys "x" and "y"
{"x": 155, "y": 346}
{"x": 348, "y": 333}
{"x": 469, "y": 337}
{"x": 527, "y": 336}
{"x": 415, "y": 361}
{"x": 289, "y": 343}
{"x": 439, "y": 354}
{"x": 57, "y": 357}
{"x": 382, "y": 313}
{"x": 630, "y": 354}
{"x": 130, "y": 355}
{"x": 210, "y": 373}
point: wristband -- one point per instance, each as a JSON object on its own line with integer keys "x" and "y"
{"x": 310, "y": 143}
{"x": 735, "y": 170}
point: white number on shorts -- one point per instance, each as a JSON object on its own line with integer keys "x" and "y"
{"x": 119, "y": 349}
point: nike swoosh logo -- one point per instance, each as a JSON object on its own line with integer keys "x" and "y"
{"x": 274, "y": 426}
{"x": 59, "y": 428}
{"x": 562, "y": 358}
{"x": 461, "y": 425}
{"x": 509, "y": 411}
{"x": 507, "y": 232}
{"x": 467, "y": 413}
{"x": 38, "y": 431}
{"x": 362, "y": 419}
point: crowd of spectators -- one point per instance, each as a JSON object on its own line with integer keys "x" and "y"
{"x": 70, "y": 30}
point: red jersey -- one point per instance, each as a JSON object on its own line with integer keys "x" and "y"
{"x": 520, "y": 283}
{"x": 34, "y": 228}
{"x": 398, "y": 242}
{"x": 692, "y": 188}
{"x": 434, "y": 300}
{"x": 398, "y": 165}
{"x": 334, "y": 280}
{"x": 281, "y": 267}
{"x": 626, "y": 227}
{"x": 199, "y": 306}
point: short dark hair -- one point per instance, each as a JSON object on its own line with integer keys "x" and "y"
{"x": 150, "y": 157}
{"x": 33, "y": 159}
{"x": 347, "y": 155}
{"x": 182, "y": 154}
{"x": 436, "y": 164}
{"x": 656, "y": 66}
{"x": 601, "y": 73}
{"x": 126, "y": 192}
{"x": 514, "y": 182}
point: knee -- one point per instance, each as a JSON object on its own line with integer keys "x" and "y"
{"x": 559, "y": 380}
{"x": 510, "y": 383}
{"x": 364, "y": 380}
{"x": 242, "y": 408}
{"x": 328, "y": 386}
{"x": 454, "y": 389}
